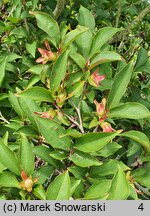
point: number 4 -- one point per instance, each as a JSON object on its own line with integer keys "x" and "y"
{"x": 141, "y": 207}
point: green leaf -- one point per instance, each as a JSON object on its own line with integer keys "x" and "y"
{"x": 98, "y": 190}
{"x": 8, "y": 179}
{"x": 84, "y": 160}
{"x": 76, "y": 89}
{"x": 48, "y": 25}
{"x": 109, "y": 167}
{"x": 72, "y": 35}
{"x": 74, "y": 184}
{"x": 58, "y": 155}
{"x": 8, "y": 159}
{"x": 43, "y": 173}
{"x": 20, "y": 32}
{"x": 15, "y": 104}
{"x": 39, "y": 69}
{"x": 33, "y": 80}
{"x": 109, "y": 149}
{"x": 119, "y": 86}
{"x": 2, "y": 167}
{"x": 29, "y": 107}
{"x": 138, "y": 137}
{"x": 31, "y": 48}
{"x": 142, "y": 58}
{"x": 102, "y": 36}
{"x": 86, "y": 18}
{"x": 103, "y": 57}
{"x": 78, "y": 59}
{"x": 59, "y": 189}
{"x": 28, "y": 131}
{"x": 37, "y": 93}
{"x": 58, "y": 71}
{"x": 142, "y": 175}
{"x": 43, "y": 152}
{"x": 84, "y": 42}
{"x": 52, "y": 131}
{"x": 2, "y": 70}
{"x": 120, "y": 187}
{"x": 39, "y": 192}
{"x": 92, "y": 142}
{"x": 26, "y": 155}
{"x": 71, "y": 132}
{"x": 10, "y": 57}
{"x": 131, "y": 110}
{"x": 78, "y": 172}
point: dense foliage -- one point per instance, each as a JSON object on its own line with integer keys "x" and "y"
{"x": 74, "y": 100}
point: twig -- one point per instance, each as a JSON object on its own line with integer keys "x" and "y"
{"x": 72, "y": 120}
{"x": 59, "y": 8}
{"x": 78, "y": 110}
{"x": 132, "y": 25}
{"x": 118, "y": 13}
{"x": 3, "y": 119}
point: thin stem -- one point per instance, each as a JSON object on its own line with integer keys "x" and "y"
{"x": 59, "y": 8}
{"x": 72, "y": 120}
{"x": 3, "y": 119}
{"x": 132, "y": 25}
{"x": 118, "y": 14}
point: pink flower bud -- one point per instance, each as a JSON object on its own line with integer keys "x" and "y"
{"x": 106, "y": 127}
{"x": 46, "y": 56}
{"x": 95, "y": 79}
{"x": 100, "y": 109}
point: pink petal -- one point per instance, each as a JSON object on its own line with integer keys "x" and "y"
{"x": 39, "y": 60}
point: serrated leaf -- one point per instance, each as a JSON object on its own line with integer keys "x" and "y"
{"x": 59, "y": 189}
{"x": 72, "y": 35}
{"x": 120, "y": 187}
{"x": 48, "y": 25}
{"x": 58, "y": 155}
{"x": 31, "y": 48}
{"x": 26, "y": 155}
{"x": 2, "y": 70}
{"x": 142, "y": 58}
{"x": 43, "y": 173}
{"x": 37, "y": 93}
{"x": 8, "y": 159}
{"x": 119, "y": 86}
{"x": 39, "y": 192}
{"x": 92, "y": 142}
{"x": 78, "y": 59}
{"x": 84, "y": 160}
{"x": 98, "y": 190}
{"x": 74, "y": 184}
{"x": 78, "y": 172}
{"x": 52, "y": 131}
{"x": 29, "y": 107}
{"x": 103, "y": 57}
{"x": 83, "y": 42}
{"x": 15, "y": 104}
{"x": 58, "y": 71}
{"x": 86, "y": 18}
{"x": 109, "y": 149}
{"x": 39, "y": 69}
{"x": 109, "y": 167}
{"x": 101, "y": 37}
{"x": 139, "y": 137}
{"x": 10, "y": 57}
{"x": 8, "y": 179}
{"x": 131, "y": 110}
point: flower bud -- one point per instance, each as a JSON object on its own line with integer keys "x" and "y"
{"x": 96, "y": 78}
{"x": 106, "y": 127}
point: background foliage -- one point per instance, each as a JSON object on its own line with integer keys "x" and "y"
{"x": 74, "y": 99}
